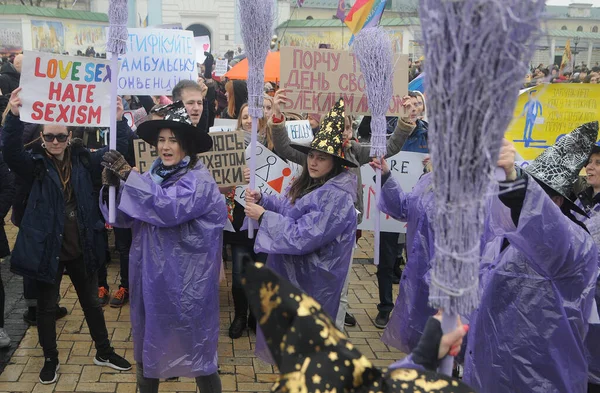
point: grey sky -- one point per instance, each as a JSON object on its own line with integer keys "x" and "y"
{"x": 596, "y": 3}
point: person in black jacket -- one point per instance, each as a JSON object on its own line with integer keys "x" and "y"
{"x": 7, "y": 192}
{"x": 10, "y": 75}
{"x": 61, "y": 228}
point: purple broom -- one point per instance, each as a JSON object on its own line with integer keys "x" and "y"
{"x": 116, "y": 45}
{"x": 476, "y": 53}
{"x": 373, "y": 48}
{"x": 256, "y": 21}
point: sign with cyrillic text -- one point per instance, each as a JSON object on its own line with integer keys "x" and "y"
{"x": 145, "y": 154}
{"x": 227, "y": 159}
{"x": 156, "y": 60}
{"x": 317, "y": 78}
{"x": 66, "y": 90}
{"x": 221, "y": 67}
{"x": 407, "y": 168}
{"x": 299, "y": 131}
{"x": 273, "y": 175}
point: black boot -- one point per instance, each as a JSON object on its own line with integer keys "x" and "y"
{"x": 240, "y": 321}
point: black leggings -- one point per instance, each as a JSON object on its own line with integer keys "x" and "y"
{"x": 206, "y": 383}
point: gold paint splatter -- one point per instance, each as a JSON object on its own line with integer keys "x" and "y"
{"x": 431, "y": 386}
{"x": 333, "y": 356}
{"x": 403, "y": 374}
{"x": 316, "y": 379}
{"x": 291, "y": 350}
{"x": 267, "y": 291}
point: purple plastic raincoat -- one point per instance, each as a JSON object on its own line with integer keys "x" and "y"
{"x": 310, "y": 242}
{"x": 528, "y": 333}
{"x": 592, "y": 341}
{"x": 175, "y": 260}
{"x": 411, "y": 310}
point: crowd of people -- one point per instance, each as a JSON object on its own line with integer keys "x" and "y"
{"x": 534, "y": 330}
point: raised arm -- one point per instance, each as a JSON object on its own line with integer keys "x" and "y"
{"x": 279, "y": 234}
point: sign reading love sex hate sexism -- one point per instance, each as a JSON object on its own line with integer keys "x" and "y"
{"x": 66, "y": 90}
{"x": 156, "y": 60}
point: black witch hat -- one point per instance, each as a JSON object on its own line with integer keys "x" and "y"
{"x": 558, "y": 166}
{"x": 312, "y": 355}
{"x": 176, "y": 118}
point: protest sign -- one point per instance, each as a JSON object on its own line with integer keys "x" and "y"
{"x": 145, "y": 154}
{"x": 545, "y": 113}
{"x": 67, "y": 90}
{"x": 223, "y": 125}
{"x": 407, "y": 168}
{"x": 273, "y": 175}
{"x": 317, "y": 78}
{"x": 221, "y": 67}
{"x": 156, "y": 60}
{"x": 226, "y": 161}
{"x": 299, "y": 131}
{"x": 202, "y": 45}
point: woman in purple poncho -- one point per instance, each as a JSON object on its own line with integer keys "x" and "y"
{"x": 310, "y": 233}
{"x": 177, "y": 217}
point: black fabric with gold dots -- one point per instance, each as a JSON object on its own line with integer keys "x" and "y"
{"x": 312, "y": 355}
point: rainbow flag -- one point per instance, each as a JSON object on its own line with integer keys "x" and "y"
{"x": 364, "y": 13}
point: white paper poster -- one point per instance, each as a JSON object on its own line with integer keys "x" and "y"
{"x": 299, "y": 131}
{"x": 156, "y": 60}
{"x": 407, "y": 168}
{"x": 202, "y": 44}
{"x": 65, "y": 90}
{"x": 221, "y": 67}
{"x": 273, "y": 175}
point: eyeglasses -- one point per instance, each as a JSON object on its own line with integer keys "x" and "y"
{"x": 59, "y": 137}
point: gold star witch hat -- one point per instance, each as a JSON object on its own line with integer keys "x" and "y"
{"x": 312, "y": 355}
{"x": 330, "y": 137}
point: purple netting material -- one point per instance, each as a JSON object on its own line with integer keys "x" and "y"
{"x": 373, "y": 50}
{"x": 117, "y": 31}
{"x": 256, "y": 22}
{"x": 476, "y": 53}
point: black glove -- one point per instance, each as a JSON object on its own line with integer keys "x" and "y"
{"x": 426, "y": 352}
{"x": 110, "y": 179}
{"x": 116, "y": 163}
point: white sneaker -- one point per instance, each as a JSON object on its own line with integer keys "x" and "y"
{"x": 4, "y": 339}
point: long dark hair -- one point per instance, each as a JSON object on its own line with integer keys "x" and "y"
{"x": 304, "y": 184}
{"x": 186, "y": 144}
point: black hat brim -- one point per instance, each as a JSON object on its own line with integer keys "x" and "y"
{"x": 570, "y": 204}
{"x": 306, "y": 149}
{"x": 198, "y": 140}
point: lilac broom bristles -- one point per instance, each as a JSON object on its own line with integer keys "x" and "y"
{"x": 117, "y": 31}
{"x": 256, "y": 20}
{"x": 476, "y": 53}
{"x": 373, "y": 49}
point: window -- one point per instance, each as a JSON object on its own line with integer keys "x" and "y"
{"x": 564, "y": 28}
{"x": 580, "y": 28}
{"x": 595, "y": 29}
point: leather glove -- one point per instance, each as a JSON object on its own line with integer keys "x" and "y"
{"x": 110, "y": 179}
{"x": 116, "y": 163}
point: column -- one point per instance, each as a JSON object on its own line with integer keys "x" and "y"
{"x": 154, "y": 12}
{"x": 552, "y": 50}
{"x": 407, "y": 37}
{"x": 590, "y": 50}
{"x": 132, "y": 20}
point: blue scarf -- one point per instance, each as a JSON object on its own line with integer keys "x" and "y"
{"x": 160, "y": 172}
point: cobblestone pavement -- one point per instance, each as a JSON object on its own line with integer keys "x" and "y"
{"x": 240, "y": 370}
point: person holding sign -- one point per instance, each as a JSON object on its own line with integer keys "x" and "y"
{"x": 177, "y": 216}
{"x": 309, "y": 234}
{"x": 61, "y": 228}
{"x": 353, "y": 151}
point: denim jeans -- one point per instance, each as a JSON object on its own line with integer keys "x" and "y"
{"x": 388, "y": 252}
{"x": 238, "y": 253}
{"x": 123, "y": 239}
{"x": 87, "y": 292}
{"x": 206, "y": 383}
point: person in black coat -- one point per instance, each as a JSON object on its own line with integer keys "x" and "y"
{"x": 61, "y": 228}
{"x": 10, "y": 75}
{"x": 7, "y": 192}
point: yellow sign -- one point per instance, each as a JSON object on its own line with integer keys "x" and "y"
{"x": 547, "y": 112}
